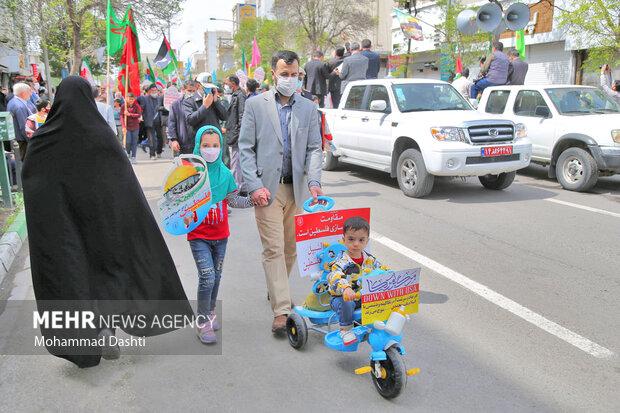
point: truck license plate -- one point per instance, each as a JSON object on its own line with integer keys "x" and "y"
{"x": 497, "y": 151}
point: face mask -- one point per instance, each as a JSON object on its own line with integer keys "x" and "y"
{"x": 286, "y": 85}
{"x": 227, "y": 89}
{"x": 154, "y": 95}
{"x": 210, "y": 154}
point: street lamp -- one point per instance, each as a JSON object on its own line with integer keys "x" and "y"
{"x": 181, "y": 47}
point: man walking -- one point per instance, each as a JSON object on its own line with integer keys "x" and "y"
{"x": 20, "y": 109}
{"x": 203, "y": 108}
{"x": 333, "y": 84}
{"x": 233, "y": 126}
{"x": 152, "y": 120}
{"x": 180, "y": 140}
{"x": 517, "y": 69}
{"x": 316, "y": 75}
{"x": 281, "y": 157}
{"x": 354, "y": 67}
{"x": 374, "y": 61}
{"x": 105, "y": 110}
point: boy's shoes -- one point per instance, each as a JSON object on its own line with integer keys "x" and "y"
{"x": 205, "y": 333}
{"x": 279, "y": 324}
{"x": 213, "y": 320}
{"x": 348, "y": 336}
{"x": 109, "y": 351}
{"x": 133, "y": 161}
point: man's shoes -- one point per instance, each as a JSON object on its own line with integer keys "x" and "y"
{"x": 279, "y": 324}
{"x": 205, "y": 333}
{"x": 143, "y": 148}
{"x": 153, "y": 158}
{"x": 133, "y": 161}
{"x": 158, "y": 155}
{"x": 109, "y": 351}
{"x": 348, "y": 336}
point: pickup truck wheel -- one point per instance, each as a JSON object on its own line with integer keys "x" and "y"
{"x": 330, "y": 162}
{"x": 576, "y": 170}
{"x": 413, "y": 178}
{"x": 501, "y": 181}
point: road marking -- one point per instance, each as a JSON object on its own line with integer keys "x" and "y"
{"x": 586, "y": 208}
{"x": 506, "y": 303}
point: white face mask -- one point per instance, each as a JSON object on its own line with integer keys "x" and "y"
{"x": 286, "y": 85}
{"x": 154, "y": 95}
{"x": 227, "y": 89}
{"x": 210, "y": 154}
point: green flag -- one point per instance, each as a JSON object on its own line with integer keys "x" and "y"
{"x": 151, "y": 73}
{"x": 244, "y": 61}
{"x": 114, "y": 34}
{"x": 520, "y": 43}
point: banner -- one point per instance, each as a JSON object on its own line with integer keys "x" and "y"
{"x": 409, "y": 25}
{"x": 313, "y": 230}
{"x": 259, "y": 74}
{"x": 243, "y": 77}
{"x": 170, "y": 95}
{"x": 381, "y": 293}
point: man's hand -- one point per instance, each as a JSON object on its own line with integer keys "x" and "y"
{"x": 207, "y": 100}
{"x": 316, "y": 191}
{"x": 124, "y": 131}
{"x": 260, "y": 197}
{"x": 343, "y": 37}
{"x": 175, "y": 146}
{"x": 604, "y": 69}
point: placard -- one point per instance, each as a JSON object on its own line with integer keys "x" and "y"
{"x": 259, "y": 74}
{"x": 186, "y": 191}
{"x": 313, "y": 230}
{"x": 381, "y": 293}
{"x": 170, "y": 95}
{"x": 243, "y": 77}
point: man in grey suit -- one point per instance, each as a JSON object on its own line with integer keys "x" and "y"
{"x": 354, "y": 67}
{"x": 316, "y": 76}
{"x": 517, "y": 69}
{"x": 281, "y": 157}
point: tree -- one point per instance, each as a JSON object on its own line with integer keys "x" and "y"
{"x": 323, "y": 21}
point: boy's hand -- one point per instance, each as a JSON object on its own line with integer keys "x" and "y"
{"x": 348, "y": 294}
{"x": 187, "y": 220}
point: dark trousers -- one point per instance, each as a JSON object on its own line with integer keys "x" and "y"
{"x": 321, "y": 100}
{"x": 23, "y": 145}
{"x": 155, "y": 145}
{"x": 336, "y": 98}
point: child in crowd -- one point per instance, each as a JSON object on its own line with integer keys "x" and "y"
{"x": 37, "y": 119}
{"x": 117, "y": 119}
{"x": 208, "y": 241}
{"x": 344, "y": 279}
{"x": 131, "y": 124}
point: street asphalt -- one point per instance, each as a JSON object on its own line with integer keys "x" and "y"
{"x": 518, "y": 312}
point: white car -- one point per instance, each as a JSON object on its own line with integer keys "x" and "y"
{"x": 417, "y": 129}
{"x": 575, "y": 130}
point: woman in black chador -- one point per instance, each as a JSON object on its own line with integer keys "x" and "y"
{"x": 92, "y": 235}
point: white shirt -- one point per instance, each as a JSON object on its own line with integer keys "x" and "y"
{"x": 108, "y": 114}
{"x": 463, "y": 85}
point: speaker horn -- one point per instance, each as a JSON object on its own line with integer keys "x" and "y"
{"x": 466, "y": 22}
{"x": 517, "y": 16}
{"x": 501, "y": 28}
{"x": 489, "y": 16}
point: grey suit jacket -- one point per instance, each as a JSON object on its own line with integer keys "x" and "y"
{"x": 354, "y": 67}
{"x": 517, "y": 69}
{"x": 261, "y": 147}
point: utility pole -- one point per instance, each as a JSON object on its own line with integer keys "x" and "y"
{"x": 408, "y": 5}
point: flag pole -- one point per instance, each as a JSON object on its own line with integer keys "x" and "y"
{"x": 107, "y": 81}
{"x": 126, "y": 90}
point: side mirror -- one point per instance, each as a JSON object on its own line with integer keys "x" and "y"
{"x": 543, "y": 112}
{"x": 474, "y": 102}
{"x": 378, "y": 105}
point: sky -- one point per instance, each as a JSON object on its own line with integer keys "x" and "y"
{"x": 194, "y": 21}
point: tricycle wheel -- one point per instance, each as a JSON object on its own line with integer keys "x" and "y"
{"x": 296, "y": 330}
{"x": 393, "y": 374}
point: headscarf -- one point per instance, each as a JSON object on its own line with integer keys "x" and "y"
{"x": 91, "y": 232}
{"x": 220, "y": 177}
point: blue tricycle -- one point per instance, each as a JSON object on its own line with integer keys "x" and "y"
{"x": 387, "y": 366}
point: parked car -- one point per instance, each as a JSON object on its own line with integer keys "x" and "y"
{"x": 417, "y": 129}
{"x": 575, "y": 130}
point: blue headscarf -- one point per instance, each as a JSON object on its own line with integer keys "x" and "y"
{"x": 220, "y": 177}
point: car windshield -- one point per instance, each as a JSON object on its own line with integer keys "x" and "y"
{"x": 581, "y": 101}
{"x": 419, "y": 97}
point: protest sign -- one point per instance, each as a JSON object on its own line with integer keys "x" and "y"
{"x": 170, "y": 95}
{"x": 243, "y": 78}
{"x": 381, "y": 293}
{"x": 259, "y": 74}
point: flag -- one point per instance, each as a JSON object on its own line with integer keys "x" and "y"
{"x": 160, "y": 83}
{"x": 409, "y": 25}
{"x": 165, "y": 58}
{"x": 520, "y": 43}
{"x": 86, "y": 73}
{"x": 255, "y": 54}
{"x": 188, "y": 67}
{"x": 115, "y": 31}
{"x": 459, "y": 67}
{"x": 244, "y": 63}
{"x": 129, "y": 70}
{"x": 150, "y": 72}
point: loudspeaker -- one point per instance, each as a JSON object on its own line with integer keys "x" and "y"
{"x": 501, "y": 28}
{"x": 466, "y": 22}
{"x": 489, "y": 16}
{"x": 517, "y": 16}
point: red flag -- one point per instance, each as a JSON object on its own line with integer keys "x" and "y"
{"x": 129, "y": 64}
{"x": 459, "y": 65}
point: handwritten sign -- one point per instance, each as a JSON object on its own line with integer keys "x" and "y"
{"x": 259, "y": 74}
{"x": 312, "y": 230}
{"x": 186, "y": 191}
{"x": 170, "y": 95}
{"x": 381, "y": 293}
{"x": 243, "y": 77}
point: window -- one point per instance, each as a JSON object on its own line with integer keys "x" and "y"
{"x": 497, "y": 101}
{"x": 526, "y": 102}
{"x": 354, "y": 100}
{"x": 418, "y": 97}
{"x": 378, "y": 92}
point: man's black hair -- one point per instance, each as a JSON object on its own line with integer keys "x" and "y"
{"x": 317, "y": 53}
{"x": 95, "y": 92}
{"x": 498, "y": 46}
{"x": 366, "y": 43}
{"x": 233, "y": 79}
{"x": 355, "y": 224}
{"x": 513, "y": 52}
{"x": 189, "y": 82}
{"x": 41, "y": 103}
{"x": 340, "y": 51}
{"x": 288, "y": 56}
{"x": 252, "y": 85}
{"x": 465, "y": 72}
{"x": 151, "y": 86}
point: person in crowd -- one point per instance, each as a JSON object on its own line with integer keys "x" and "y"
{"x": 334, "y": 82}
{"x": 463, "y": 84}
{"x": 3, "y": 100}
{"x": 119, "y": 95}
{"x": 20, "y": 109}
{"x": 280, "y": 176}
{"x": 226, "y": 103}
{"x": 517, "y": 69}
{"x": 316, "y": 76}
{"x": 354, "y": 67}
{"x": 233, "y": 126}
{"x": 180, "y": 140}
{"x": 612, "y": 91}
{"x": 345, "y": 277}
{"x": 150, "y": 105}
{"x": 252, "y": 86}
{"x": 264, "y": 88}
{"x": 95, "y": 245}
{"x": 131, "y": 116}
{"x": 34, "y": 87}
{"x": 208, "y": 241}
{"x": 117, "y": 119}
{"x": 104, "y": 109}
{"x": 374, "y": 61}
{"x": 34, "y": 121}
{"x": 495, "y": 70}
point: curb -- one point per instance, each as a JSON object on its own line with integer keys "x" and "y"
{"x": 11, "y": 242}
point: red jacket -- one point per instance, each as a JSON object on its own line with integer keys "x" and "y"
{"x": 133, "y": 115}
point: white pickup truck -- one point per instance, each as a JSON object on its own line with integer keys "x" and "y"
{"x": 418, "y": 129}
{"x": 574, "y": 129}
